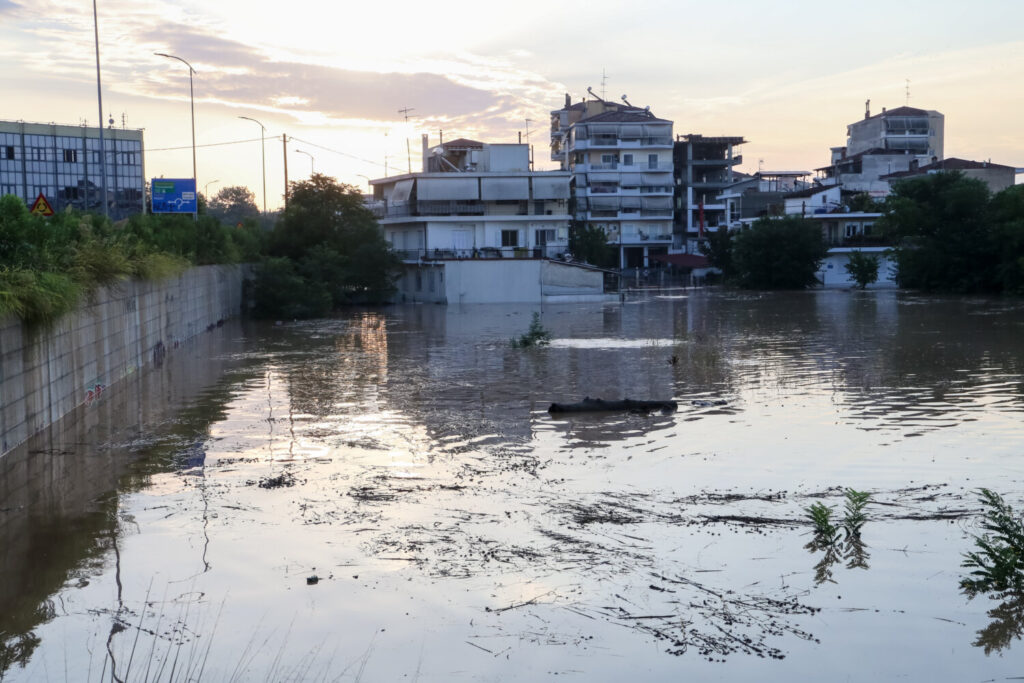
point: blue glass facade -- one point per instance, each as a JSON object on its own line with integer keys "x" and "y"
{"x": 63, "y": 163}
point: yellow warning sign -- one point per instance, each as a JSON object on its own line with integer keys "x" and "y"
{"x": 41, "y": 206}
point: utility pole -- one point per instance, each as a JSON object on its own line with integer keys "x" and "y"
{"x": 284, "y": 139}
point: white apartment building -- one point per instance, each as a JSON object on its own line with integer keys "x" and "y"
{"x": 620, "y": 158}
{"x": 475, "y": 200}
{"x": 477, "y": 226}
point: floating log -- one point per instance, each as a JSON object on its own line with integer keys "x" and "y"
{"x": 596, "y": 405}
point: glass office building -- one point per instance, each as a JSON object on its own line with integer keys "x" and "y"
{"x": 63, "y": 164}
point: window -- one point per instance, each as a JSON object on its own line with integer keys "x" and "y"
{"x": 543, "y": 237}
{"x": 70, "y": 156}
{"x": 851, "y": 229}
{"x": 627, "y": 159}
{"x": 8, "y": 152}
{"x": 867, "y": 228}
{"x": 652, "y": 161}
{"x": 608, "y": 159}
{"x": 510, "y": 238}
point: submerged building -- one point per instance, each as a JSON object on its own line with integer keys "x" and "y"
{"x": 478, "y": 226}
{"x": 620, "y": 160}
{"x": 63, "y": 164}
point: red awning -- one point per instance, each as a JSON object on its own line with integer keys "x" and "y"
{"x": 683, "y": 260}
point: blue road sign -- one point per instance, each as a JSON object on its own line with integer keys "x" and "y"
{"x": 173, "y": 195}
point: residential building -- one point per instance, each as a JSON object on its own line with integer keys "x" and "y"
{"x": 882, "y": 144}
{"x": 620, "y": 160}
{"x": 918, "y": 132}
{"x": 702, "y": 170}
{"x": 996, "y": 176}
{"x": 476, "y": 225}
{"x": 63, "y": 164}
{"x": 761, "y": 194}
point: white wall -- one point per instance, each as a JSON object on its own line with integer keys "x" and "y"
{"x": 833, "y": 271}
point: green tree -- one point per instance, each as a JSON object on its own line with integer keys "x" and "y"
{"x": 233, "y": 206}
{"x": 333, "y": 244}
{"x": 778, "y": 253}
{"x": 1007, "y": 215}
{"x": 944, "y": 237}
{"x": 589, "y": 243}
{"x": 718, "y": 248}
{"x": 864, "y": 202}
{"x": 863, "y": 268}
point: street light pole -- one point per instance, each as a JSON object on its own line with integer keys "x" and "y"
{"x": 206, "y": 189}
{"x": 311, "y": 167}
{"x": 99, "y": 99}
{"x": 192, "y": 99}
{"x": 263, "y": 155}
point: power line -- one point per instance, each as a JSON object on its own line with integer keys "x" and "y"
{"x": 211, "y": 144}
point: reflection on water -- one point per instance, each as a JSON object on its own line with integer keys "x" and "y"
{"x": 422, "y": 479}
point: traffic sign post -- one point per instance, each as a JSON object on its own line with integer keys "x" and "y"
{"x": 173, "y": 195}
{"x": 41, "y": 207}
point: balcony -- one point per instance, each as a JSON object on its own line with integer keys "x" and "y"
{"x": 544, "y": 251}
{"x": 462, "y": 208}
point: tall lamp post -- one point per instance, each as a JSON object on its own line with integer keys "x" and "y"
{"x": 263, "y": 155}
{"x": 311, "y": 167}
{"x": 206, "y": 188}
{"x": 192, "y": 99}
{"x": 99, "y": 98}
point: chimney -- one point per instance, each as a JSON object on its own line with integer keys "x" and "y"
{"x": 568, "y": 101}
{"x": 426, "y": 154}
{"x": 867, "y": 109}
{"x": 914, "y": 164}
{"x": 883, "y": 110}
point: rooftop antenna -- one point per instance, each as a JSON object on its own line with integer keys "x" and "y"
{"x": 604, "y": 81}
{"x": 528, "y": 121}
{"x": 408, "y": 151}
{"x": 908, "y": 92}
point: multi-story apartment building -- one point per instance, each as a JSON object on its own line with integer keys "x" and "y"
{"x": 477, "y": 226}
{"x": 63, "y": 164}
{"x": 620, "y": 158}
{"x": 475, "y": 200}
{"x": 703, "y": 170}
{"x": 886, "y": 143}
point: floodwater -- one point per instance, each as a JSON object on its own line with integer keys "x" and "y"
{"x": 383, "y": 496}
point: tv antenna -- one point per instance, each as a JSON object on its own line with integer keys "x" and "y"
{"x": 908, "y": 92}
{"x": 604, "y": 82}
{"x": 404, "y": 111}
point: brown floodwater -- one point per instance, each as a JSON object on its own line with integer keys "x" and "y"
{"x": 384, "y": 496}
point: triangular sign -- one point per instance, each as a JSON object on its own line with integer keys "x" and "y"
{"x": 41, "y": 206}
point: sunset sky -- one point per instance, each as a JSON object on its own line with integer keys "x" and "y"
{"x": 788, "y": 76}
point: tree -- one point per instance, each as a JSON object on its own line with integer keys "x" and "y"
{"x": 718, "y": 248}
{"x": 1007, "y": 215}
{"x": 233, "y": 205}
{"x": 944, "y": 237}
{"x": 589, "y": 243}
{"x": 863, "y": 268}
{"x": 330, "y": 243}
{"x": 778, "y": 253}
{"x": 863, "y": 202}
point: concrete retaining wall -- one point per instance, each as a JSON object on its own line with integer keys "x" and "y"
{"x": 46, "y": 373}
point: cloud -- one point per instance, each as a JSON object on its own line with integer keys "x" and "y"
{"x": 235, "y": 73}
{"x": 8, "y": 6}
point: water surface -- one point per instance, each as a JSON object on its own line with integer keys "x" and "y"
{"x": 404, "y": 457}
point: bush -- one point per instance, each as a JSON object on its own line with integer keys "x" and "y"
{"x": 537, "y": 335}
{"x": 863, "y": 268}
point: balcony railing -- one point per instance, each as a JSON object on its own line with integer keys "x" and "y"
{"x": 461, "y": 208}
{"x": 547, "y": 251}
